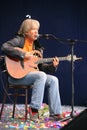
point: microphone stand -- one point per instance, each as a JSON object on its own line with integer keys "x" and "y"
{"x": 71, "y": 42}
{"x": 72, "y": 114}
{"x": 72, "y": 72}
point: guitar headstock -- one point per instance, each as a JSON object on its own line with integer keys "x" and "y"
{"x": 69, "y": 57}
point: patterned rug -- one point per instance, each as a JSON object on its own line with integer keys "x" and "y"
{"x": 7, "y": 122}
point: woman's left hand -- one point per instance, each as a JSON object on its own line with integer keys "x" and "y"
{"x": 55, "y": 62}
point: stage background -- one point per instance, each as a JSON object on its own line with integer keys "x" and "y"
{"x": 63, "y": 18}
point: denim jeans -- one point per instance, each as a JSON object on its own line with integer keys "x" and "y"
{"x": 40, "y": 81}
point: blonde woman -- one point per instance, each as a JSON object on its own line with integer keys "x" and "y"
{"x": 25, "y": 46}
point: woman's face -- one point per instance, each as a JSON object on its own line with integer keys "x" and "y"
{"x": 33, "y": 33}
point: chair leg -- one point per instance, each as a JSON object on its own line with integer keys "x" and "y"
{"x": 15, "y": 101}
{"x": 4, "y": 100}
{"x": 26, "y": 102}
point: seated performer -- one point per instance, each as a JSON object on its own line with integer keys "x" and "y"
{"x": 25, "y": 47}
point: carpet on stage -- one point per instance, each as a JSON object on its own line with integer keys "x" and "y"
{"x": 18, "y": 122}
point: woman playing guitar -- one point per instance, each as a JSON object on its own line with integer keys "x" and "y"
{"x": 25, "y": 47}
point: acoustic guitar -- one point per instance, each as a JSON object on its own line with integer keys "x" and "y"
{"x": 18, "y": 69}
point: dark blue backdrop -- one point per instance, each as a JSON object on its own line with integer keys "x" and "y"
{"x": 62, "y": 18}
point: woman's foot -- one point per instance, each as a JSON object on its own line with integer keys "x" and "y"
{"x": 34, "y": 115}
{"x": 56, "y": 117}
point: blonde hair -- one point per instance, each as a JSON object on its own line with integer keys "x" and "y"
{"x": 27, "y": 25}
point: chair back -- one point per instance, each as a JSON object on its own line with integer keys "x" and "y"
{"x": 2, "y": 64}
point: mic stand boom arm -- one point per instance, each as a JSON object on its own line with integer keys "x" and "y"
{"x": 63, "y": 40}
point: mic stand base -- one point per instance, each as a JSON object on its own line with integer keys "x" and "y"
{"x": 70, "y": 117}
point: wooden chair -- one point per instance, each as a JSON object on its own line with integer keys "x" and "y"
{"x": 8, "y": 87}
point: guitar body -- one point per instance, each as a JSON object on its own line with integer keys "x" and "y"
{"x": 16, "y": 70}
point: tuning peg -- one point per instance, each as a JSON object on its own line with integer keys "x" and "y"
{"x": 77, "y": 58}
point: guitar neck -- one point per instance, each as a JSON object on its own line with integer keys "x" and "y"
{"x": 47, "y": 60}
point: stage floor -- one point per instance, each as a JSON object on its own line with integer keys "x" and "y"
{"x": 7, "y": 122}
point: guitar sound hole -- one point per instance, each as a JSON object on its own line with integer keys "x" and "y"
{"x": 35, "y": 68}
{"x": 37, "y": 55}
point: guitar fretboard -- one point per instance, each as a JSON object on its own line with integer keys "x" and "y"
{"x": 46, "y": 60}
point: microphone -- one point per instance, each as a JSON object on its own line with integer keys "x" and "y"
{"x": 44, "y": 36}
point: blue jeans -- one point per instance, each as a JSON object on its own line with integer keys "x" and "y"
{"x": 40, "y": 80}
